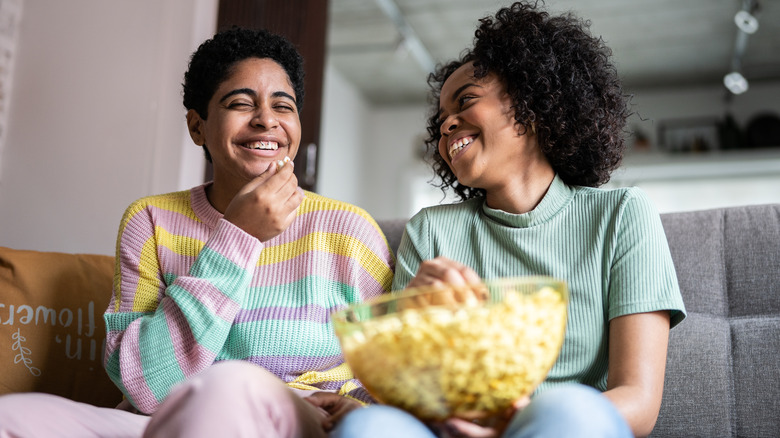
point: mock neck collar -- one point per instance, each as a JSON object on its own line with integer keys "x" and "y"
{"x": 557, "y": 197}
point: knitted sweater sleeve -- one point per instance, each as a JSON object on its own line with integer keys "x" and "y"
{"x": 162, "y": 330}
{"x": 413, "y": 249}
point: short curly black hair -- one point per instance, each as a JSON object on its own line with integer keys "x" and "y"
{"x": 213, "y": 61}
{"x": 561, "y": 82}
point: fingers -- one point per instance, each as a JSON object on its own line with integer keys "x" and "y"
{"x": 441, "y": 270}
{"x": 268, "y": 204}
{"x": 334, "y": 406}
{"x": 457, "y": 427}
{"x": 275, "y": 177}
{"x": 519, "y": 405}
{"x": 455, "y": 283}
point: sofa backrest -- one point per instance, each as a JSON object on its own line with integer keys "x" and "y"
{"x": 723, "y": 367}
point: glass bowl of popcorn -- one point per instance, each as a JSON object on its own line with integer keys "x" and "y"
{"x": 468, "y": 352}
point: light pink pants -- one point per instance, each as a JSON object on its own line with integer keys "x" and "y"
{"x": 230, "y": 399}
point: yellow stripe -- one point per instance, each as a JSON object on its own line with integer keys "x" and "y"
{"x": 146, "y": 297}
{"x": 334, "y": 243}
{"x": 342, "y": 372}
{"x": 182, "y": 245}
{"x": 177, "y": 202}
{"x": 336, "y": 374}
{"x": 318, "y": 202}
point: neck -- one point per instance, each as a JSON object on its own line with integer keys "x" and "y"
{"x": 220, "y": 194}
{"x": 524, "y": 187}
{"x": 521, "y": 196}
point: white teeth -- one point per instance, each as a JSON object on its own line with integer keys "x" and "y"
{"x": 458, "y": 145}
{"x": 265, "y": 145}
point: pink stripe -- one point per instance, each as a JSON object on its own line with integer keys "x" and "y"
{"x": 132, "y": 371}
{"x": 174, "y": 263}
{"x": 191, "y": 356}
{"x": 235, "y": 244}
{"x": 177, "y": 223}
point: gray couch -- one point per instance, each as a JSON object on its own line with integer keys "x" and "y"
{"x": 723, "y": 369}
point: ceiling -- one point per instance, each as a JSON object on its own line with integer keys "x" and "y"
{"x": 656, "y": 43}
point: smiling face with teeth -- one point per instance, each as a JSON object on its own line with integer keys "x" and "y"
{"x": 480, "y": 140}
{"x": 252, "y": 122}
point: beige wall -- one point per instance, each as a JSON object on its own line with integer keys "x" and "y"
{"x": 96, "y": 118}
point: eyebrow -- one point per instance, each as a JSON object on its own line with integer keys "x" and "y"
{"x": 458, "y": 93}
{"x": 252, "y": 93}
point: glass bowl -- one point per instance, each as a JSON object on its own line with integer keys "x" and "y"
{"x": 456, "y": 352}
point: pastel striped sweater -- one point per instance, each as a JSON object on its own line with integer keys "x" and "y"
{"x": 608, "y": 245}
{"x": 191, "y": 289}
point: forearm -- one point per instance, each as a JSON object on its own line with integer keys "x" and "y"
{"x": 165, "y": 325}
{"x": 637, "y": 364}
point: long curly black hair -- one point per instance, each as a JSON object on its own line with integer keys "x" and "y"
{"x": 561, "y": 82}
{"x": 213, "y": 62}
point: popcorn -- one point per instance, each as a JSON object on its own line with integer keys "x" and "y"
{"x": 281, "y": 163}
{"x": 470, "y": 360}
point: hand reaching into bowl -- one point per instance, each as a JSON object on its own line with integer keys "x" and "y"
{"x": 442, "y": 271}
{"x": 462, "y": 282}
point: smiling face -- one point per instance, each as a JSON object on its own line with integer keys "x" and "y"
{"x": 252, "y": 122}
{"x": 481, "y": 141}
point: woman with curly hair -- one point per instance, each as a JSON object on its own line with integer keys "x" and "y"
{"x": 526, "y": 125}
{"x": 218, "y": 325}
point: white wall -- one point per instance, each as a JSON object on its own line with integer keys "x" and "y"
{"x": 96, "y": 118}
{"x": 344, "y": 114}
{"x": 399, "y": 186}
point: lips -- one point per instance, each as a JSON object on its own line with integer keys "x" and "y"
{"x": 456, "y": 146}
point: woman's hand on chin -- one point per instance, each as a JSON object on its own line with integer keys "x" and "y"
{"x": 267, "y": 205}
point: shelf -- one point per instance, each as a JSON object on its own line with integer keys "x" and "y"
{"x": 655, "y": 166}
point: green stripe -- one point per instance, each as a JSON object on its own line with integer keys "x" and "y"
{"x": 120, "y": 321}
{"x": 161, "y": 355}
{"x": 281, "y": 338}
{"x": 208, "y": 329}
{"x": 221, "y": 272}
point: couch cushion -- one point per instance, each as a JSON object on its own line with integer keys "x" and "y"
{"x": 722, "y": 374}
{"x": 52, "y": 333}
{"x": 756, "y": 352}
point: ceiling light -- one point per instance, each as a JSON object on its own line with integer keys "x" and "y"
{"x": 735, "y": 82}
{"x": 746, "y": 22}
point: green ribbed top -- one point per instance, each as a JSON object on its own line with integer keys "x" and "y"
{"x": 608, "y": 245}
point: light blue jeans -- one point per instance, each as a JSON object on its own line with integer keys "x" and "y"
{"x": 566, "y": 411}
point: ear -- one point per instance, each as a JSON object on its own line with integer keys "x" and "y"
{"x": 195, "y": 124}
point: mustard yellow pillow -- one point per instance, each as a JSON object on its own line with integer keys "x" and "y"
{"x": 52, "y": 333}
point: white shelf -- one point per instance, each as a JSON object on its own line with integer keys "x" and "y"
{"x": 654, "y": 166}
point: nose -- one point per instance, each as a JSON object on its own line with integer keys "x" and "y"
{"x": 449, "y": 125}
{"x": 264, "y": 118}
